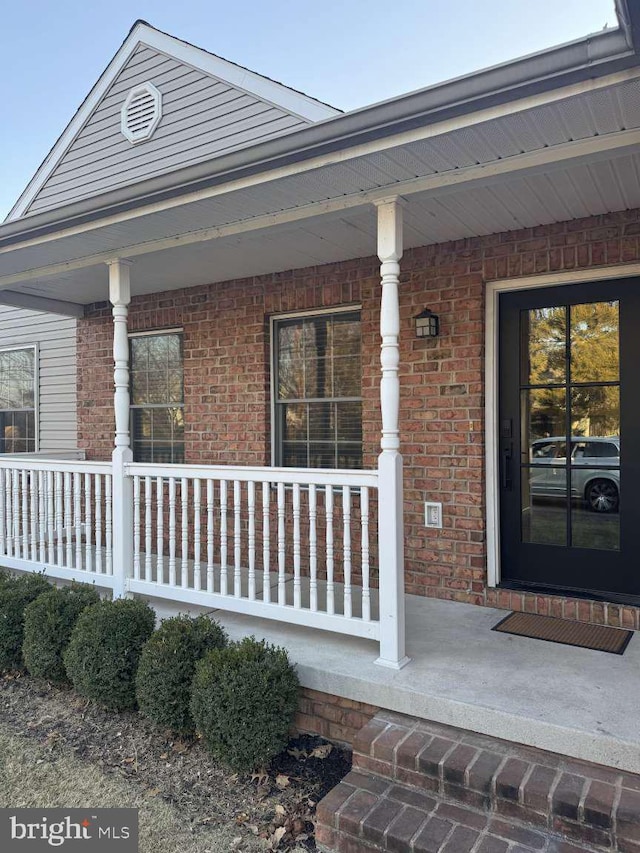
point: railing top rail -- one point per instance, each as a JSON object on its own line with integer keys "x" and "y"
{"x": 64, "y": 466}
{"x": 289, "y": 476}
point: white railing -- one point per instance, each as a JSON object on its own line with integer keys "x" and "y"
{"x": 295, "y": 545}
{"x": 56, "y": 516}
{"x": 280, "y": 543}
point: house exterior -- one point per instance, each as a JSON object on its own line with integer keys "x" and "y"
{"x": 39, "y": 381}
{"x": 253, "y": 262}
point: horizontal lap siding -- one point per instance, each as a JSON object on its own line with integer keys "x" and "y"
{"x": 201, "y": 117}
{"x": 56, "y": 340}
{"x": 226, "y": 347}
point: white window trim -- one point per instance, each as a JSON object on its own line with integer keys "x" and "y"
{"x": 492, "y": 398}
{"x": 36, "y": 389}
{"x": 273, "y": 355}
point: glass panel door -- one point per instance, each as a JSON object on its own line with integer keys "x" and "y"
{"x": 568, "y": 426}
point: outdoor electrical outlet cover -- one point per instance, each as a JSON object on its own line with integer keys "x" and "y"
{"x": 433, "y": 514}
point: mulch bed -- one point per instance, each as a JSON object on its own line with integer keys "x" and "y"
{"x": 276, "y": 804}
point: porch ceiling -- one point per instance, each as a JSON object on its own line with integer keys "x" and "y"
{"x": 575, "y": 156}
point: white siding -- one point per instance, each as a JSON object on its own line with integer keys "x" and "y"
{"x": 56, "y": 340}
{"x": 201, "y": 117}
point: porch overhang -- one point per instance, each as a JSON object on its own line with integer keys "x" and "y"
{"x": 549, "y": 138}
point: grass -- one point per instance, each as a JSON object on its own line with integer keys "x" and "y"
{"x": 34, "y": 776}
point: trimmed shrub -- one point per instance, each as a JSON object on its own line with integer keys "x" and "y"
{"x": 102, "y": 657}
{"x": 167, "y": 665}
{"x": 48, "y": 623}
{"x": 243, "y": 701}
{"x": 15, "y": 594}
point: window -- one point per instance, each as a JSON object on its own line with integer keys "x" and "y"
{"x": 318, "y": 391}
{"x": 18, "y": 400}
{"x": 157, "y": 398}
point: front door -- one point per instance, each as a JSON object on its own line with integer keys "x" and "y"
{"x": 569, "y": 438}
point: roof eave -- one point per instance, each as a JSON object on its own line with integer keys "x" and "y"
{"x": 589, "y": 58}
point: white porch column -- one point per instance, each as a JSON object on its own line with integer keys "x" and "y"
{"x": 390, "y": 521}
{"x": 120, "y": 296}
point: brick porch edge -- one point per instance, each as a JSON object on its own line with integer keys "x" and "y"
{"x": 407, "y": 772}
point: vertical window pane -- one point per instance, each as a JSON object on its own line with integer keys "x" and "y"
{"x": 157, "y": 395}
{"x": 318, "y": 364}
{"x": 17, "y": 401}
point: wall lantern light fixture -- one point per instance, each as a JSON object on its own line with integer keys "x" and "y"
{"x": 427, "y": 324}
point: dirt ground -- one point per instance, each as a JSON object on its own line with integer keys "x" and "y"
{"x": 272, "y": 809}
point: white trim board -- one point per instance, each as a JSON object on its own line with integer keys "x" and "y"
{"x": 491, "y": 420}
{"x": 278, "y": 95}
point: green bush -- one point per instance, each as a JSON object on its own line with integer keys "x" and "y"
{"x": 48, "y": 623}
{"x": 243, "y": 701}
{"x": 16, "y": 592}
{"x": 102, "y": 657}
{"x": 167, "y": 665}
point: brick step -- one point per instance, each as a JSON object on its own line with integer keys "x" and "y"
{"x": 368, "y": 814}
{"x": 588, "y": 803}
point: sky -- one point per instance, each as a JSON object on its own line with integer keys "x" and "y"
{"x": 349, "y": 53}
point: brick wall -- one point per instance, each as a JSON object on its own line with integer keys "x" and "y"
{"x": 331, "y": 716}
{"x": 226, "y": 351}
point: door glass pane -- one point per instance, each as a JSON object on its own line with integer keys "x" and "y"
{"x": 595, "y": 411}
{"x": 544, "y": 342}
{"x": 595, "y": 521}
{"x": 543, "y": 417}
{"x": 544, "y": 515}
{"x": 595, "y": 342}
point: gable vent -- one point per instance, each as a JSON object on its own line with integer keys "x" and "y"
{"x": 141, "y": 113}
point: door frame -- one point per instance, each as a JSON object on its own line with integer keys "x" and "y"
{"x": 494, "y": 288}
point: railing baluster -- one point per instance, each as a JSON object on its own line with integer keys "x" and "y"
{"x": 136, "y": 528}
{"x": 9, "y": 514}
{"x": 3, "y": 522}
{"x": 148, "y": 569}
{"x": 237, "y": 539}
{"x": 108, "y": 525}
{"x": 172, "y": 531}
{"x": 184, "y": 568}
{"x": 24, "y": 494}
{"x": 68, "y": 519}
{"x": 42, "y": 516}
{"x": 223, "y": 538}
{"x": 59, "y": 496}
{"x": 281, "y": 545}
{"x": 251, "y": 507}
{"x": 77, "y": 518}
{"x": 98, "y": 521}
{"x": 16, "y": 512}
{"x": 266, "y": 557}
{"x": 159, "y": 530}
{"x": 313, "y": 549}
{"x": 297, "y": 588}
{"x": 210, "y": 539}
{"x": 33, "y": 495}
{"x": 364, "y": 532}
{"x": 51, "y": 517}
{"x": 88, "y": 525}
{"x": 346, "y": 548}
{"x": 197, "y": 582}
{"x": 328, "y": 506}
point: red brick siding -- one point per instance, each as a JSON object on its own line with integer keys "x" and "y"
{"x": 442, "y": 381}
{"x": 331, "y": 716}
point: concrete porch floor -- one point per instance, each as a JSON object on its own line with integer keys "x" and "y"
{"x": 575, "y": 702}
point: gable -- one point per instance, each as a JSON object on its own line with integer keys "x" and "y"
{"x": 203, "y": 115}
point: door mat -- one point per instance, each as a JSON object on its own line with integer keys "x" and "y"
{"x": 598, "y": 637}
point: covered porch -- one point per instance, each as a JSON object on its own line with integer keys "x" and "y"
{"x": 313, "y": 548}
